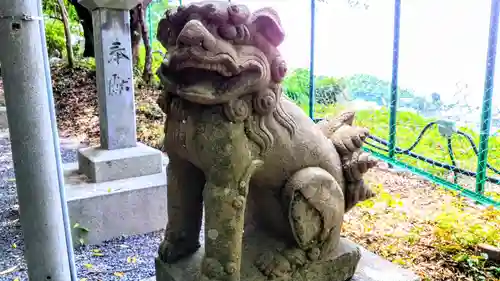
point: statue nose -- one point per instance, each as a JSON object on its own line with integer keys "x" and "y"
{"x": 193, "y": 34}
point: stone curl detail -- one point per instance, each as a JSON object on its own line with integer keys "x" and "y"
{"x": 237, "y": 110}
{"x": 265, "y": 102}
{"x": 278, "y": 69}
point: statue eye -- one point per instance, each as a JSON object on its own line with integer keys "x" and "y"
{"x": 228, "y": 32}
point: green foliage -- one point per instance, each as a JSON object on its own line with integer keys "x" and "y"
{"x": 372, "y": 88}
{"x": 450, "y": 231}
{"x": 54, "y": 28}
{"x": 51, "y": 9}
{"x": 372, "y": 84}
{"x": 158, "y": 56}
{"x": 86, "y": 63}
{"x": 432, "y": 145}
{"x": 54, "y": 33}
{"x": 296, "y": 86}
{"x": 327, "y": 89}
{"x": 156, "y": 11}
{"x": 458, "y": 232}
{"x": 408, "y": 124}
{"x": 330, "y": 90}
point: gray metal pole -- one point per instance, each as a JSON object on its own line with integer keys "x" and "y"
{"x": 32, "y": 141}
{"x": 57, "y": 148}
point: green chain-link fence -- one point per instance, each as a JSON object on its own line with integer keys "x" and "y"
{"x": 451, "y": 137}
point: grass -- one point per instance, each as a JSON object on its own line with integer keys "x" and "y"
{"x": 432, "y": 144}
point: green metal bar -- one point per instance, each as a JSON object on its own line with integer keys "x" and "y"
{"x": 484, "y": 134}
{"x": 448, "y": 185}
{"x": 312, "y": 84}
{"x": 452, "y": 158}
{"x": 394, "y": 80}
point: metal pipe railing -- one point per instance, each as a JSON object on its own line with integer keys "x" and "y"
{"x": 57, "y": 149}
{"x": 393, "y": 102}
{"x": 312, "y": 84}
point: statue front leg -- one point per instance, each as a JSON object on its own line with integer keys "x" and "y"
{"x": 185, "y": 209}
{"x": 225, "y": 196}
{"x": 315, "y": 205}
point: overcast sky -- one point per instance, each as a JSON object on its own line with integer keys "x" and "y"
{"x": 443, "y": 43}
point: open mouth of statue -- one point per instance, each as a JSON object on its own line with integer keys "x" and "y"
{"x": 191, "y": 76}
{"x": 209, "y": 82}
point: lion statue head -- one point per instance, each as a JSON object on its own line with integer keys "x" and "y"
{"x": 219, "y": 52}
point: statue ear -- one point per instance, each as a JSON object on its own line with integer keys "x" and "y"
{"x": 268, "y": 23}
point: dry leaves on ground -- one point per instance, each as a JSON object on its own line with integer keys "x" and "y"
{"x": 402, "y": 224}
{"x": 76, "y": 103}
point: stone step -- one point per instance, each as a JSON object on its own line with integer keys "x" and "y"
{"x": 102, "y": 165}
{"x": 371, "y": 267}
{"x": 106, "y": 210}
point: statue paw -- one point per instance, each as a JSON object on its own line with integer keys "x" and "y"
{"x": 171, "y": 252}
{"x": 280, "y": 266}
{"x": 213, "y": 270}
{"x": 349, "y": 139}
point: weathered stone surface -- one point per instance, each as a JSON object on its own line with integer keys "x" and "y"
{"x": 114, "y": 77}
{"x": 340, "y": 266}
{"x": 114, "y": 208}
{"x": 248, "y": 155}
{"x": 492, "y": 251}
{"x": 101, "y": 165}
{"x": 370, "y": 267}
{"x": 374, "y": 268}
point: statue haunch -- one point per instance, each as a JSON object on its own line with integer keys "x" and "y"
{"x": 240, "y": 149}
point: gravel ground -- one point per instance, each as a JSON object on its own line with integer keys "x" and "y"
{"x": 127, "y": 258}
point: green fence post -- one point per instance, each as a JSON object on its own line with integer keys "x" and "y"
{"x": 484, "y": 134}
{"x": 394, "y": 81}
{"x": 312, "y": 86}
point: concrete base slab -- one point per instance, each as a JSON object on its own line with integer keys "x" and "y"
{"x": 370, "y": 267}
{"x": 3, "y": 118}
{"x": 102, "y": 211}
{"x": 101, "y": 165}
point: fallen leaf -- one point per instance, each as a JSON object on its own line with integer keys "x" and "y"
{"x": 9, "y": 270}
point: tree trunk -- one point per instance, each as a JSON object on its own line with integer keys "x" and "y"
{"x": 67, "y": 33}
{"x": 135, "y": 32}
{"x": 85, "y": 18}
{"x": 147, "y": 72}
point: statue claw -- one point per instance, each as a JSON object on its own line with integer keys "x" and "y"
{"x": 274, "y": 265}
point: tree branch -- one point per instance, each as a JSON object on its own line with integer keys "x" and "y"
{"x": 67, "y": 33}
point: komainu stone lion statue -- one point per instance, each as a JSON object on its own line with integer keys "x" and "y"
{"x": 251, "y": 157}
